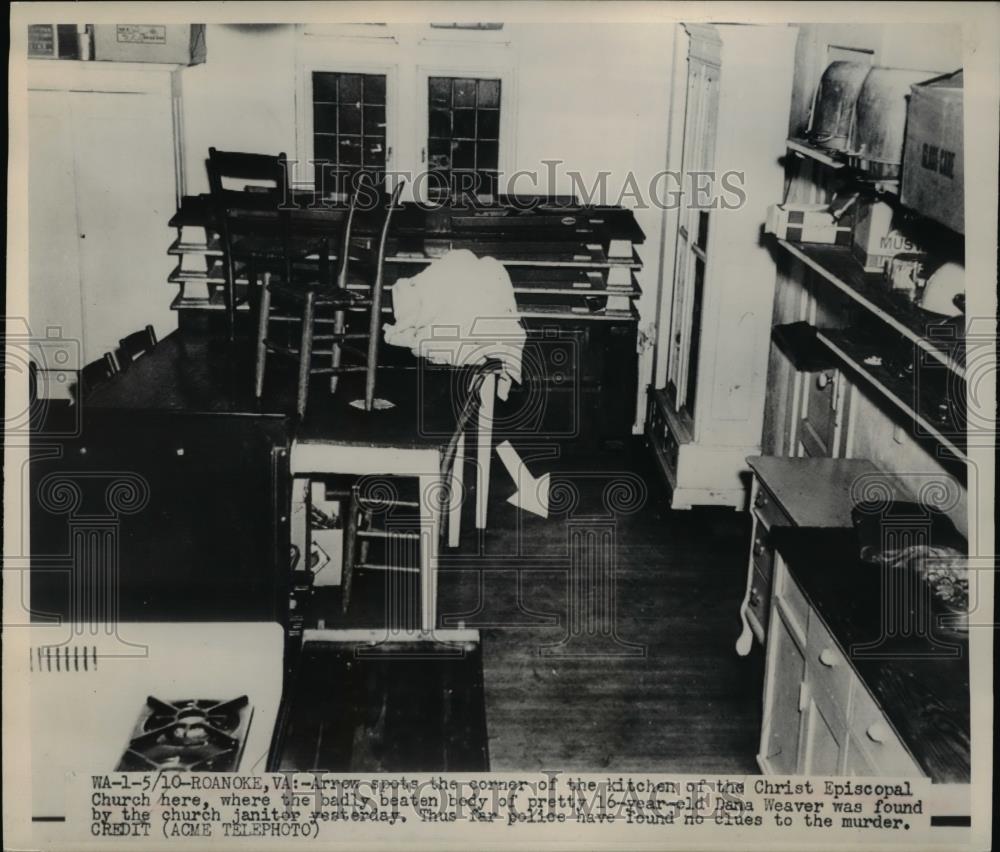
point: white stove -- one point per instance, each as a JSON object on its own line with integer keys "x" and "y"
{"x": 150, "y": 697}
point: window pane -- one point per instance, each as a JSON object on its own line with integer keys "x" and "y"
{"x": 374, "y": 89}
{"x": 440, "y": 123}
{"x": 350, "y": 150}
{"x": 350, "y": 88}
{"x": 324, "y": 87}
{"x": 487, "y": 155}
{"x": 464, "y": 126}
{"x": 489, "y": 94}
{"x": 439, "y": 152}
{"x": 489, "y": 124}
{"x": 488, "y": 183}
{"x": 463, "y": 182}
{"x": 325, "y": 148}
{"x": 440, "y": 91}
{"x": 465, "y": 93}
{"x": 374, "y": 152}
{"x": 374, "y": 122}
{"x": 350, "y": 119}
{"x": 463, "y": 155}
{"x": 324, "y": 118}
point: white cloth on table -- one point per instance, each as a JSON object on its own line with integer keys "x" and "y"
{"x": 460, "y": 310}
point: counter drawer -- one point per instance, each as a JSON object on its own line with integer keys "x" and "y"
{"x": 874, "y": 736}
{"x": 826, "y": 665}
{"x": 768, "y": 511}
{"x": 763, "y": 554}
{"x": 759, "y": 602}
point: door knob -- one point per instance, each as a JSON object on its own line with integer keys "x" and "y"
{"x": 877, "y": 732}
{"x": 822, "y": 380}
{"x": 828, "y": 658}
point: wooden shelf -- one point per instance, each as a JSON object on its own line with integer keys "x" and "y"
{"x": 836, "y": 160}
{"x": 821, "y": 155}
{"x": 899, "y": 392}
{"x": 943, "y": 341}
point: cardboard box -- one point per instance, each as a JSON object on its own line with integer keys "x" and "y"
{"x": 806, "y": 223}
{"x": 933, "y": 157}
{"x": 180, "y": 44}
{"x": 875, "y": 240}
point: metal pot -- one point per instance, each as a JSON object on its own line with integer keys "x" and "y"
{"x": 878, "y": 131}
{"x": 833, "y": 106}
{"x": 944, "y": 287}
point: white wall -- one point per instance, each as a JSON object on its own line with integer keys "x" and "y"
{"x": 593, "y": 95}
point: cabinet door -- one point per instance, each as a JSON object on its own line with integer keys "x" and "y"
{"x": 823, "y": 739}
{"x": 125, "y": 190}
{"x": 53, "y": 241}
{"x": 780, "y": 733}
{"x": 823, "y": 414}
{"x": 855, "y": 762}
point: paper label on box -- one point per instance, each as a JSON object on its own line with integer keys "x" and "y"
{"x": 141, "y": 33}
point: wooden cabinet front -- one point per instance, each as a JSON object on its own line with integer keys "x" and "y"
{"x": 819, "y": 717}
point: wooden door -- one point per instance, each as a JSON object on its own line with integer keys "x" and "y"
{"x": 125, "y": 195}
{"x": 821, "y": 428}
{"x": 823, "y": 738}
{"x": 53, "y": 238}
{"x": 780, "y": 732}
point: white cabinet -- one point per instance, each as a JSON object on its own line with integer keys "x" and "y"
{"x": 739, "y": 83}
{"x": 102, "y": 186}
{"x": 819, "y": 717}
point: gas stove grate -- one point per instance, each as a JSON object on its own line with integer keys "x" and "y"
{"x": 190, "y": 735}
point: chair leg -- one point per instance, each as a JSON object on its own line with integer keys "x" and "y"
{"x": 365, "y": 543}
{"x": 305, "y": 352}
{"x": 230, "y": 294}
{"x": 350, "y": 544}
{"x": 339, "y": 323}
{"x": 262, "y": 320}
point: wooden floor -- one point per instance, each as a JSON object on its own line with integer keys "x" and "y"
{"x": 638, "y": 674}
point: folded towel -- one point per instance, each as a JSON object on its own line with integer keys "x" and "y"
{"x": 460, "y": 310}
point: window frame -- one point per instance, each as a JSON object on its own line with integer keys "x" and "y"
{"x": 507, "y": 135}
{"x": 304, "y": 174}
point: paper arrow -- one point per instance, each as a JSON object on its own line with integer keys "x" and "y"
{"x": 532, "y": 494}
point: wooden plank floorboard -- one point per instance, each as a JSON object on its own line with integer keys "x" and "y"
{"x": 658, "y": 687}
{"x": 688, "y": 703}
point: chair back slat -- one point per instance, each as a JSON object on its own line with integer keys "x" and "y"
{"x": 135, "y": 345}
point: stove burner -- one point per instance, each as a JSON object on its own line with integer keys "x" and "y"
{"x": 193, "y": 735}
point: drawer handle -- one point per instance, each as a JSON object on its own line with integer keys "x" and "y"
{"x": 828, "y": 658}
{"x": 877, "y": 732}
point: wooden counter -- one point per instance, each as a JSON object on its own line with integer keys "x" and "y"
{"x": 920, "y": 683}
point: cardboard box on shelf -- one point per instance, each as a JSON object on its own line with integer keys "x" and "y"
{"x": 875, "y": 240}
{"x": 180, "y": 44}
{"x": 933, "y": 159}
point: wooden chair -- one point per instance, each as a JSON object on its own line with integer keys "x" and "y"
{"x": 263, "y": 232}
{"x": 348, "y": 292}
{"x": 132, "y": 347}
{"x": 96, "y": 373}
